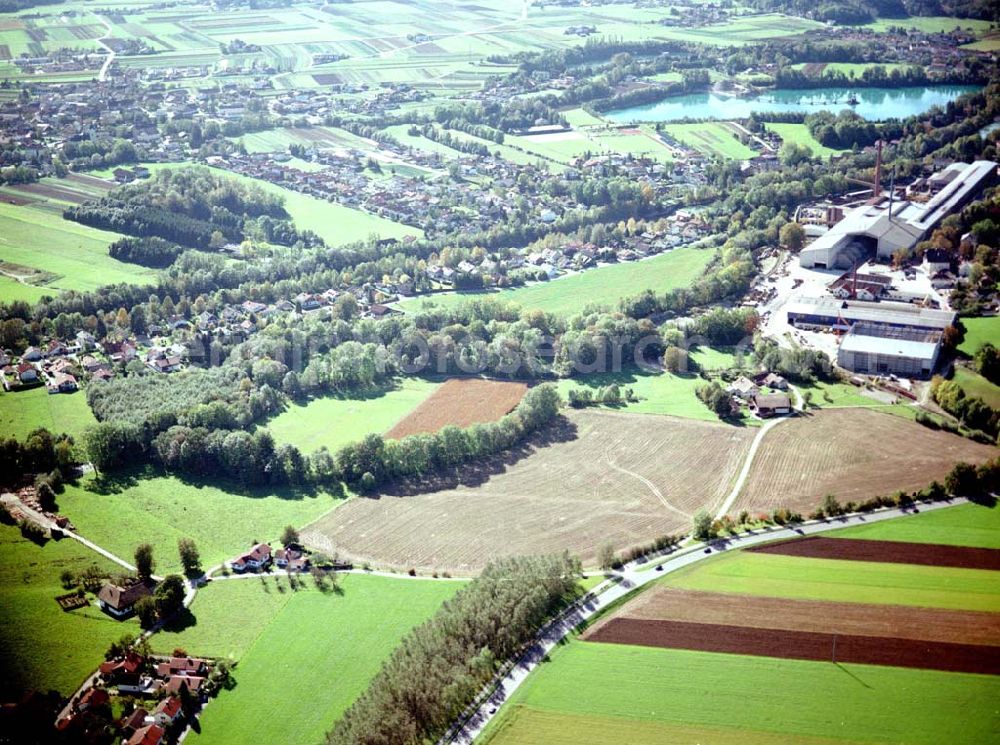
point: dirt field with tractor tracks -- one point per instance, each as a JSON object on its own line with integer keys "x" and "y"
{"x": 590, "y": 478}
{"x": 461, "y": 402}
{"x": 853, "y": 454}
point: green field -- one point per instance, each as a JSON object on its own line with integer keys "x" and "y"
{"x": 12, "y": 290}
{"x": 978, "y": 331}
{"x": 963, "y": 525}
{"x": 780, "y": 576}
{"x": 23, "y": 411}
{"x": 799, "y": 134}
{"x": 592, "y": 692}
{"x": 833, "y": 395}
{"x": 305, "y": 656}
{"x": 975, "y": 385}
{"x": 142, "y": 507}
{"x": 601, "y": 286}
{"x": 715, "y": 139}
{"x": 712, "y": 358}
{"x": 333, "y": 422}
{"x": 990, "y": 43}
{"x": 41, "y": 646}
{"x": 581, "y": 118}
{"x": 74, "y": 256}
{"x": 658, "y": 393}
{"x": 230, "y": 615}
{"x": 930, "y": 24}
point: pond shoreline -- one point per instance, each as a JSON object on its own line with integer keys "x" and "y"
{"x": 873, "y": 104}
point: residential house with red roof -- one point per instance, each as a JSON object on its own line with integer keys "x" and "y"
{"x": 256, "y": 559}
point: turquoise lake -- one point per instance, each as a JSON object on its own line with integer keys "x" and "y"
{"x": 874, "y": 104}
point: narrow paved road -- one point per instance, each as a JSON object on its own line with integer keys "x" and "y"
{"x": 634, "y": 576}
{"x": 103, "y": 74}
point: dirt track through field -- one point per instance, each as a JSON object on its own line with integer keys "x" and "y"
{"x": 851, "y": 619}
{"x": 893, "y": 552}
{"x": 461, "y": 402}
{"x": 802, "y": 645}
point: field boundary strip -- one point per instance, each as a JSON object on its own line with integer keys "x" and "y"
{"x": 801, "y": 645}
{"x": 889, "y": 552}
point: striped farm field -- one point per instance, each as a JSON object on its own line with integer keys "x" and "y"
{"x": 753, "y": 647}
{"x": 892, "y": 552}
{"x": 663, "y": 603}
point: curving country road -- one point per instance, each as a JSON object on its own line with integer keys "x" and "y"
{"x": 636, "y": 575}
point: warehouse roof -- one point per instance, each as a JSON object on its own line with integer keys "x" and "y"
{"x": 853, "y": 311}
{"x": 922, "y": 350}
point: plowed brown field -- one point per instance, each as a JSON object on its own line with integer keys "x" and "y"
{"x": 593, "y": 477}
{"x": 461, "y": 402}
{"x": 851, "y": 619}
{"x": 893, "y": 552}
{"x": 850, "y": 453}
{"x": 802, "y": 645}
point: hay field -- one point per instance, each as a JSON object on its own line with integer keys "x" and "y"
{"x": 595, "y": 477}
{"x": 852, "y": 454}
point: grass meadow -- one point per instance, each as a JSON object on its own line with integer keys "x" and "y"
{"x": 963, "y": 525}
{"x": 12, "y": 290}
{"x": 711, "y": 138}
{"x": 658, "y": 393}
{"x": 843, "y": 581}
{"x": 144, "y": 506}
{"x": 601, "y": 286}
{"x": 74, "y": 256}
{"x": 43, "y": 647}
{"x": 800, "y": 135}
{"x": 334, "y": 422}
{"x": 977, "y": 386}
{"x": 305, "y": 653}
{"x": 23, "y": 411}
{"x": 593, "y": 692}
{"x": 978, "y": 331}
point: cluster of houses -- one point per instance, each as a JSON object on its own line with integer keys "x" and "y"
{"x": 54, "y": 365}
{"x": 434, "y": 206}
{"x": 158, "y": 681}
{"x": 937, "y": 52}
{"x": 764, "y": 394}
{"x": 291, "y": 558}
